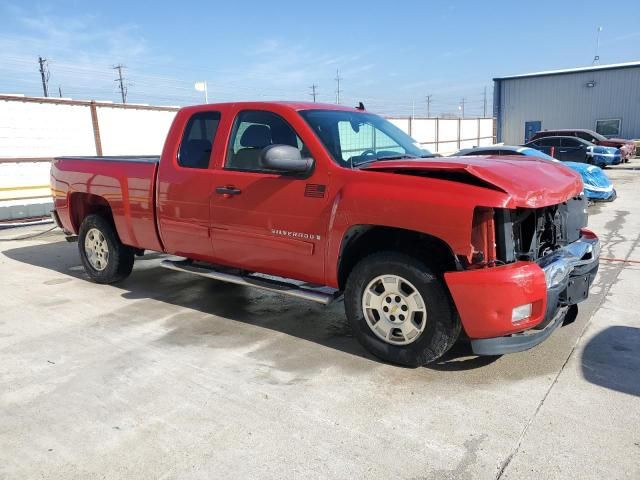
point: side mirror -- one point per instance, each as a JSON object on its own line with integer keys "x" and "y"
{"x": 285, "y": 159}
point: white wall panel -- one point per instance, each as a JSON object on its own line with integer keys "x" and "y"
{"x": 446, "y": 148}
{"x": 448, "y": 130}
{"x": 45, "y": 130}
{"x": 486, "y": 127}
{"x": 469, "y": 143}
{"x": 469, "y": 129}
{"x": 133, "y": 132}
{"x": 423, "y": 129}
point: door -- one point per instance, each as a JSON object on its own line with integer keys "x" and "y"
{"x": 530, "y": 128}
{"x": 264, "y": 221}
{"x": 573, "y": 150}
{"x": 185, "y": 187}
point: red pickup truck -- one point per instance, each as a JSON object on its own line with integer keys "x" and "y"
{"x": 325, "y": 202}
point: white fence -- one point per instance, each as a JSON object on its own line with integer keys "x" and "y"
{"x": 33, "y": 130}
{"x": 445, "y": 135}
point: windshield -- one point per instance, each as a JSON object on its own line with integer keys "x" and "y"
{"x": 596, "y": 135}
{"x": 356, "y": 138}
{"x": 532, "y": 152}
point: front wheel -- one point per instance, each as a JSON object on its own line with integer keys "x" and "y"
{"x": 399, "y": 310}
{"x": 105, "y": 258}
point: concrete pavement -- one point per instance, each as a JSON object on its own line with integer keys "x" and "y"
{"x": 172, "y": 376}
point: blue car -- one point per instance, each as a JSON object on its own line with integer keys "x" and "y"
{"x": 574, "y": 149}
{"x": 597, "y": 186}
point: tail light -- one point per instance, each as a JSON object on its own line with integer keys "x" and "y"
{"x": 483, "y": 237}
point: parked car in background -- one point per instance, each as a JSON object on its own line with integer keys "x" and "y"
{"x": 597, "y": 186}
{"x": 627, "y": 147}
{"x": 574, "y": 149}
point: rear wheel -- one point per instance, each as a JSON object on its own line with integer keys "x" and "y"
{"x": 104, "y": 257}
{"x": 399, "y": 310}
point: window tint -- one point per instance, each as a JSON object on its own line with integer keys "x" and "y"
{"x": 252, "y": 132}
{"x": 197, "y": 141}
{"x": 608, "y": 128}
{"x": 571, "y": 143}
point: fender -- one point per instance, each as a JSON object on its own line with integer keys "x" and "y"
{"x": 434, "y": 207}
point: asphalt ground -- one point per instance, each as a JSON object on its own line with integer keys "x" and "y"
{"x": 168, "y": 375}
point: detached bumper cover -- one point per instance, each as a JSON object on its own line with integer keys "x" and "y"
{"x": 486, "y": 298}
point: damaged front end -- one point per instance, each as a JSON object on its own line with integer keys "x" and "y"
{"x": 525, "y": 275}
{"x": 529, "y": 234}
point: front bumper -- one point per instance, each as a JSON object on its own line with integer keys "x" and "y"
{"x": 485, "y": 298}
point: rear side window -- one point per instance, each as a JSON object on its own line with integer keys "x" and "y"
{"x": 549, "y": 142}
{"x": 197, "y": 141}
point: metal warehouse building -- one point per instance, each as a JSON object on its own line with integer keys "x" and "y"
{"x": 605, "y": 98}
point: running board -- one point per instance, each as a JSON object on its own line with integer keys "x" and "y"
{"x": 294, "y": 288}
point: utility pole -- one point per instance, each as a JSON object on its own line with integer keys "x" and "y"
{"x": 121, "y": 87}
{"x": 44, "y": 74}
{"x": 429, "y": 106}
{"x": 313, "y": 92}
{"x": 338, "y": 91}
{"x": 484, "y": 110}
{"x": 462, "y": 106}
{"x": 60, "y": 91}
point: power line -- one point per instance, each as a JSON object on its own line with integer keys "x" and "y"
{"x": 122, "y": 87}
{"x": 313, "y": 92}
{"x": 338, "y": 91}
{"x": 44, "y": 74}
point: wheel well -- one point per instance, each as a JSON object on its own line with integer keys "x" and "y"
{"x": 363, "y": 240}
{"x": 83, "y": 204}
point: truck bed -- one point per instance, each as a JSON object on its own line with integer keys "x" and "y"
{"x": 118, "y": 158}
{"x": 125, "y": 183}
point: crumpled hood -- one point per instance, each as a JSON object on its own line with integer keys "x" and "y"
{"x": 530, "y": 182}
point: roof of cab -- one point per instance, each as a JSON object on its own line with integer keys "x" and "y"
{"x": 294, "y": 105}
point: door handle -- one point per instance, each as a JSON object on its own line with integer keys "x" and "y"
{"x": 228, "y": 191}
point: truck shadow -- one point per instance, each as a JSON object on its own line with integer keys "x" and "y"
{"x": 610, "y": 359}
{"x": 202, "y": 298}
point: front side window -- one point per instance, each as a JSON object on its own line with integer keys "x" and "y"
{"x": 252, "y": 132}
{"x": 355, "y": 138}
{"x": 197, "y": 141}
{"x": 609, "y": 127}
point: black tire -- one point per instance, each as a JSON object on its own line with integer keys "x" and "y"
{"x": 442, "y": 326}
{"x": 119, "y": 262}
